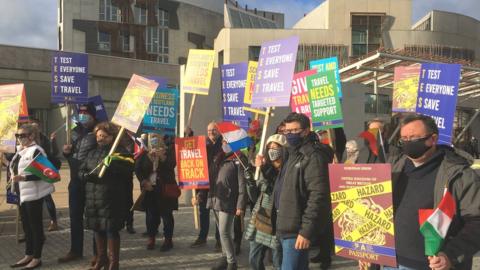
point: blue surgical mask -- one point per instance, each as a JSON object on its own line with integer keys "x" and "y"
{"x": 294, "y": 139}
{"x": 83, "y": 118}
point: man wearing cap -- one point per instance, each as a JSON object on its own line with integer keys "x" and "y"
{"x": 83, "y": 140}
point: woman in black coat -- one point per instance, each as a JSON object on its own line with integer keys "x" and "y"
{"x": 105, "y": 203}
{"x": 155, "y": 170}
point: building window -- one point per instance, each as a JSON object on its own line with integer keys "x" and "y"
{"x": 253, "y": 53}
{"x": 366, "y": 34}
{"x": 125, "y": 41}
{"x": 162, "y": 17}
{"x": 140, "y": 15}
{"x": 384, "y": 104}
{"x": 104, "y": 41}
{"x": 157, "y": 42}
{"x": 109, "y": 12}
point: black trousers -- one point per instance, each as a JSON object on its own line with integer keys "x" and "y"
{"x": 32, "y": 222}
{"x": 76, "y": 203}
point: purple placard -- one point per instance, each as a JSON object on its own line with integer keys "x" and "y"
{"x": 275, "y": 72}
{"x": 69, "y": 77}
{"x": 100, "y": 112}
{"x": 234, "y": 77}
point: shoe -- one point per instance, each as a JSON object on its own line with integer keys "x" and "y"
{"x": 167, "y": 245}
{"x": 221, "y": 264}
{"x": 218, "y": 246}
{"x": 15, "y": 265}
{"x": 69, "y": 257}
{"x": 113, "y": 253}
{"x": 53, "y": 226}
{"x": 151, "y": 243}
{"x": 199, "y": 243}
{"x": 130, "y": 229}
{"x": 232, "y": 266}
{"x": 33, "y": 267}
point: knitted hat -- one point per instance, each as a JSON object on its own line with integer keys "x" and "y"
{"x": 277, "y": 138}
{"x": 88, "y": 108}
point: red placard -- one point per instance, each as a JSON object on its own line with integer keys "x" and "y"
{"x": 192, "y": 163}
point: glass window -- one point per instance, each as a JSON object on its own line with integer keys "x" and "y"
{"x": 384, "y": 104}
{"x": 253, "y": 53}
{"x": 162, "y": 17}
{"x": 157, "y": 42}
{"x": 125, "y": 41}
{"x": 366, "y": 33}
{"x": 140, "y": 15}
{"x": 109, "y": 12}
{"x": 104, "y": 41}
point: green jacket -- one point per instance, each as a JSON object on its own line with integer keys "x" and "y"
{"x": 463, "y": 238}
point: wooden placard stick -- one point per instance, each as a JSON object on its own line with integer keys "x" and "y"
{"x": 68, "y": 124}
{"x": 112, "y": 150}
{"x": 263, "y": 138}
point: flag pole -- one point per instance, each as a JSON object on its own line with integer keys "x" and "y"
{"x": 383, "y": 147}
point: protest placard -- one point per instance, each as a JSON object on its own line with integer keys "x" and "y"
{"x": 192, "y": 164}
{"x": 437, "y": 96}
{"x": 134, "y": 102}
{"x": 233, "y": 88}
{"x": 275, "y": 72}
{"x": 405, "y": 88}
{"x": 10, "y": 99}
{"x": 328, "y": 64}
{"x": 161, "y": 115}
{"x": 249, "y": 84}
{"x": 362, "y": 212}
{"x": 69, "y": 77}
{"x": 198, "y": 71}
{"x": 23, "y": 116}
{"x": 324, "y": 101}
{"x": 100, "y": 112}
{"x": 299, "y": 102}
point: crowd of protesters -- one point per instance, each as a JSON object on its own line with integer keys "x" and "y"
{"x": 289, "y": 203}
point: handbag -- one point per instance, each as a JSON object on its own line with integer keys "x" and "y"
{"x": 171, "y": 191}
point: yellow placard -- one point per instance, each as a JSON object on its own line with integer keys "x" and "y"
{"x": 251, "y": 73}
{"x": 362, "y": 192}
{"x": 198, "y": 72}
{"x": 10, "y": 98}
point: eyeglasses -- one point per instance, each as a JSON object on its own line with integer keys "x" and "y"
{"x": 22, "y": 135}
{"x": 292, "y": 131}
{"x": 410, "y": 140}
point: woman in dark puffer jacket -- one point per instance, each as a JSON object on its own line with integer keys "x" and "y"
{"x": 105, "y": 207}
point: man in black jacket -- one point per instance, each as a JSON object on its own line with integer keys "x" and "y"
{"x": 302, "y": 192}
{"x": 83, "y": 140}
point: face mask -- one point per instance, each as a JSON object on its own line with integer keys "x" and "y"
{"x": 294, "y": 139}
{"x": 226, "y": 148}
{"x": 274, "y": 154}
{"x": 83, "y": 118}
{"x": 415, "y": 149}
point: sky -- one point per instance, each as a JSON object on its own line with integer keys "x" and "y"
{"x": 33, "y": 23}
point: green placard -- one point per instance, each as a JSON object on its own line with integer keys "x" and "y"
{"x": 324, "y": 101}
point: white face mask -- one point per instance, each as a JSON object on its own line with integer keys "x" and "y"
{"x": 226, "y": 148}
{"x": 274, "y": 154}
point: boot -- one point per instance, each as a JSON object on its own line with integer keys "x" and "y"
{"x": 101, "y": 259}
{"x": 167, "y": 245}
{"x": 114, "y": 253}
{"x": 151, "y": 243}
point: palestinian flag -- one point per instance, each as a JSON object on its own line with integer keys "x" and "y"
{"x": 371, "y": 136}
{"x": 43, "y": 168}
{"x": 434, "y": 223}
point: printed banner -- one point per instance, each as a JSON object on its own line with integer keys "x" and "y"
{"x": 161, "y": 116}
{"x": 299, "y": 102}
{"x": 362, "y": 212}
{"x": 324, "y": 101}
{"x": 23, "y": 117}
{"x": 275, "y": 72}
{"x": 198, "y": 71}
{"x": 328, "y": 64}
{"x": 233, "y": 88}
{"x": 10, "y": 99}
{"x": 192, "y": 164}
{"x": 437, "y": 96}
{"x": 69, "y": 77}
{"x": 134, "y": 102}
{"x": 405, "y": 88}
{"x": 251, "y": 73}
{"x": 100, "y": 112}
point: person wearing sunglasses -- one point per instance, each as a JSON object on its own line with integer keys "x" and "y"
{"x": 32, "y": 193}
{"x": 420, "y": 174}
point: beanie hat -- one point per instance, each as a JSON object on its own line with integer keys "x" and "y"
{"x": 277, "y": 138}
{"x": 88, "y": 108}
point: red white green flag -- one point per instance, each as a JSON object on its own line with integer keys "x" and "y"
{"x": 434, "y": 223}
{"x": 371, "y": 136}
{"x": 43, "y": 168}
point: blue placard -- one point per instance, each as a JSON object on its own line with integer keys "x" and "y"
{"x": 234, "y": 77}
{"x": 161, "y": 115}
{"x": 328, "y": 64}
{"x": 100, "y": 112}
{"x": 69, "y": 77}
{"x": 437, "y": 96}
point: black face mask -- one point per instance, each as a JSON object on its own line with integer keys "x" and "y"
{"x": 415, "y": 148}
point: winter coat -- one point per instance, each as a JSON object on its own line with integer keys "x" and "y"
{"x": 82, "y": 143}
{"x": 305, "y": 195}
{"x": 33, "y": 188}
{"x": 463, "y": 237}
{"x": 227, "y": 190}
{"x": 165, "y": 175}
{"x": 106, "y": 198}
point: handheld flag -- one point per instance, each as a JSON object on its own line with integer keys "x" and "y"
{"x": 371, "y": 136}
{"x": 43, "y": 168}
{"x": 138, "y": 146}
{"x": 236, "y": 137}
{"x": 434, "y": 223}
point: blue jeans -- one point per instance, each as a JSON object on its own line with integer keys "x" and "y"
{"x": 76, "y": 203}
{"x": 257, "y": 255}
{"x": 400, "y": 267}
{"x": 293, "y": 259}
